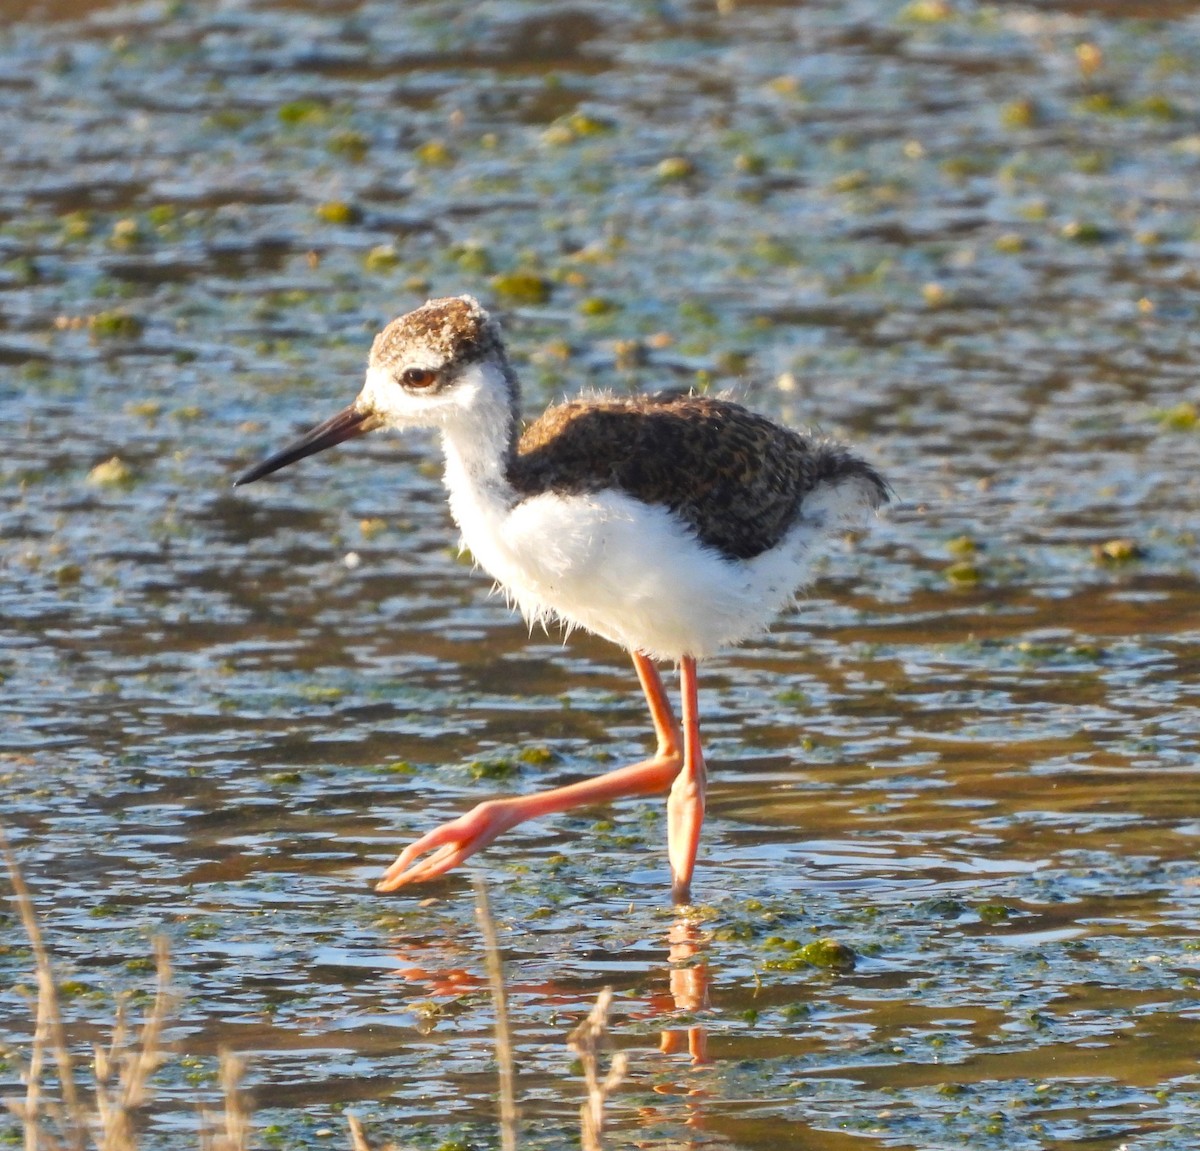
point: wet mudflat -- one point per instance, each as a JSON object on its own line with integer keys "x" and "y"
{"x": 963, "y": 237}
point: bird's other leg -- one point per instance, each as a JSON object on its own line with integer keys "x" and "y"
{"x": 447, "y": 846}
{"x": 685, "y": 805}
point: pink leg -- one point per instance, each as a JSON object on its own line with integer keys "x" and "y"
{"x": 460, "y": 838}
{"x": 685, "y": 805}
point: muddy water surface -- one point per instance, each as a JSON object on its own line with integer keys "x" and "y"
{"x": 963, "y": 237}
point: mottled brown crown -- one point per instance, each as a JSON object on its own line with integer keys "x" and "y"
{"x": 441, "y": 333}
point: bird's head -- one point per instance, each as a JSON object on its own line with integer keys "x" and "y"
{"x": 433, "y": 367}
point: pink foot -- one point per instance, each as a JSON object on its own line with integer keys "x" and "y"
{"x": 450, "y": 844}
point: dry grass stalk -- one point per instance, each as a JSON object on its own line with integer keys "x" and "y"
{"x": 359, "y": 1140}
{"x": 230, "y": 1131}
{"x": 509, "y": 1117}
{"x": 588, "y": 1040}
{"x": 106, "y": 1122}
{"x": 71, "y": 1118}
{"x": 123, "y": 1072}
{"x": 358, "y": 1137}
{"x": 504, "y": 1048}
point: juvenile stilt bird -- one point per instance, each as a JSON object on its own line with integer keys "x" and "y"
{"x": 673, "y": 525}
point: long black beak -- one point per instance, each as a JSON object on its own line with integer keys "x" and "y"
{"x": 347, "y": 424}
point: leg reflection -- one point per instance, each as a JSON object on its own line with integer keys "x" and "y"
{"x": 689, "y": 990}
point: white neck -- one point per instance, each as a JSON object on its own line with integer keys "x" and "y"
{"x": 477, "y": 439}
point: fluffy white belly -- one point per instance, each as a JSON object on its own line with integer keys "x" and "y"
{"x": 631, "y": 572}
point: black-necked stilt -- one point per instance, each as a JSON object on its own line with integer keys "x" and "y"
{"x": 672, "y": 525}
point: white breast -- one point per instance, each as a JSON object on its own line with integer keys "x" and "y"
{"x": 629, "y": 571}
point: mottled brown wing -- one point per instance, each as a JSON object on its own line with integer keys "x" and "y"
{"x": 734, "y": 476}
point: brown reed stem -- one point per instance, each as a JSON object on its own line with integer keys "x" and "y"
{"x": 587, "y": 1041}
{"x": 49, "y": 1033}
{"x": 509, "y": 1117}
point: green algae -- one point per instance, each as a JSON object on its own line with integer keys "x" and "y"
{"x": 338, "y": 212}
{"x": 522, "y": 287}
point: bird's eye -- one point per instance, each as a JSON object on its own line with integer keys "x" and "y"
{"x": 418, "y": 377}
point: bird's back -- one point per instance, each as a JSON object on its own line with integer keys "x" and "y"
{"x": 735, "y": 477}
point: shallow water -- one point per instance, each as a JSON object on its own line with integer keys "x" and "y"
{"x": 962, "y": 237}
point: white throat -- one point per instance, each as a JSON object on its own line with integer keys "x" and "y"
{"x": 477, "y": 429}
{"x": 477, "y": 433}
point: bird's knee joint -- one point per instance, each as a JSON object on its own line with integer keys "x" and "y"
{"x": 687, "y": 789}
